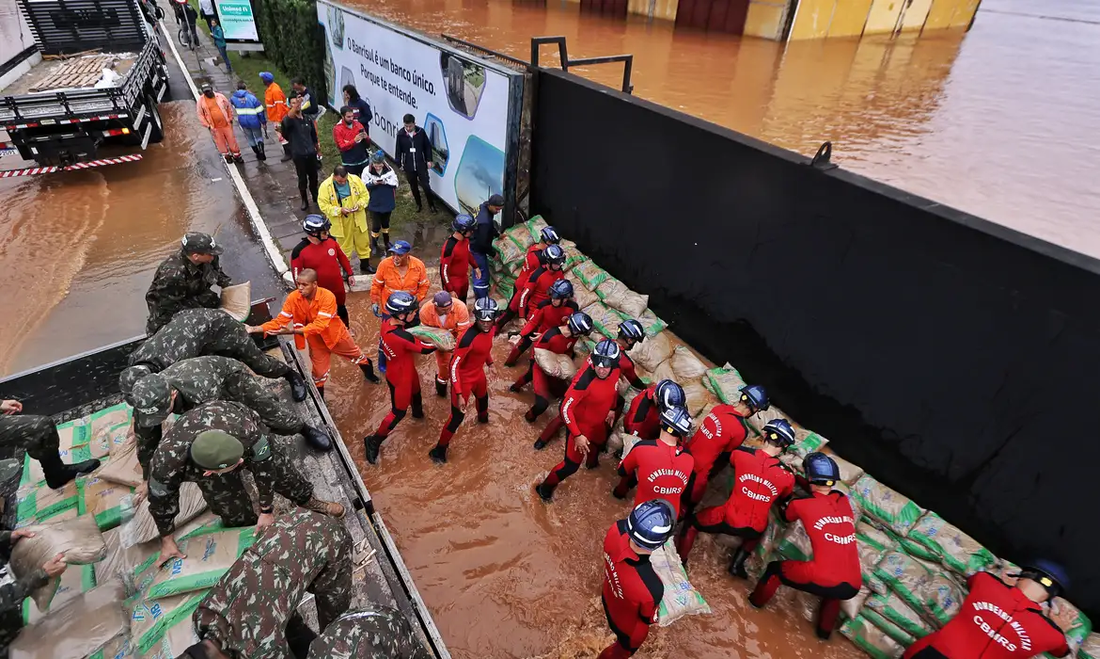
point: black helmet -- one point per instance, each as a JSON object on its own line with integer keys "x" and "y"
{"x": 650, "y": 524}
{"x": 549, "y": 235}
{"x": 400, "y": 304}
{"x": 668, "y": 395}
{"x": 580, "y": 324}
{"x": 553, "y": 255}
{"x": 631, "y": 330}
{"x": 779, "y": 432}
{"x": 676, "y": 421}
{"x": 1048, "y": 574}
{"x": 561, "y": 289}
{"x": 485, "y": 308}
{"x": 606, "y": 353}
{"x": 755, "y": 397}
{"x": 463, "y": 223}
{"x": 821, "y": 469}
{"x": 314, "y": 224}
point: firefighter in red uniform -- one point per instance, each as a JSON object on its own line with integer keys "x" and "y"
{"x": 659, "y": 467}
{"x": 399, "y": 347}
{"x": 833, "y": 573}
{"x": 632, "y": 591}
{"x": 472, "y": 354}
{"x": 760, "y": 480}
{"x": 722, "y": 431}
{"x": 320, "y": 252}
{"x": 999, "y": 621}
{"x": 455, "y": 261}
{"x": 631, "y": 333}
{"x": 643, "y": 419}
{"x": 531, "y": 261}
{"x": 586, "y": 412}
{"x": 559, "y": 340}
{"x": 536, "y": 288}
{"x": 550, "y": 313}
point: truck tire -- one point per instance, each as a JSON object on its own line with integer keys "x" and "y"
{"x": 157, "y": 134}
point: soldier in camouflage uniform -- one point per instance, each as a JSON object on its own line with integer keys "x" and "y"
{"x": 184, "y": 279}
{"x": 208, "y": 446}
{"x": 13, "y": 594}
{"x": 250, "y": 612}
{"x": 38, "y": 436}
{"x": 185, "y": 385}
{"x": 378, "y": 632}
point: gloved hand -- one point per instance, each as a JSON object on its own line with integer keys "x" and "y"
{"x": 374, "y": 309}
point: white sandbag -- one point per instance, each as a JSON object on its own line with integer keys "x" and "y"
{"x": 698, "y": 398}
{"x": 210, "y": 554}
{"x": 162, "y": 628}
{"x": 652, "y": 352}
{"x": 851, "y": 607}
{"x": 237, "y": 301}
{"x": 435, "y": 336}
{"x": 555, "y": 365}
{"x": 142, "y": 528}
{"x": 83, "y": 625}
{"x": 126, "y": 562}
{"x": 123, "y": 467}
{"x": 680, "y": 597}
{"x": 686, "y": 365}
{"x": 78, "y": 540}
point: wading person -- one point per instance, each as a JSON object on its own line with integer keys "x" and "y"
{"x": 560, "y": 341}
{"x": 251, "y": 118}
{"x": 381, "y": 183}
{"x": 455, "y": 260}
{"x": 209, "y": 446}
{"x": 630, "y": 334}
{"x": 343, "y": 199}
{"x": 370, "y": 633}
{"x": 183, "y": 281}
{"x": 444, "y": 312}
{"x": 321, "y": 253}
{"x": 12, "y": 594}
{"x": 833, "y": 574}
{"x": 414, "y": 155}
{"x": 359, "y": 107}
{"x": 532, "y": 259}
{"x": 216, "y": 115}
{"x": 38, "y": 436}
{"x": 400, "y": 271}
{"x": 481, "y": 245}
{"x": 643, "y": 419}
{"x": 549, "y": 313}
{"x": 301, "y": 136}
{"x": 243, "y": 616}
{"x": 473, "y": 353}
{"x": 399, "y": 347}
{"x": 760, "y": 480}
{"x": 536, "y": 288}
{"x": 586, "y": 412}
{"x": 659, "y": 468}
{"x": 352, "y": 141}
{"x": 276, "y": 108}
{"x": 309, "y": 313}
{"x": 632, "y": 591}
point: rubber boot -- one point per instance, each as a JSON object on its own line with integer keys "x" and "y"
{"x": 374, "y": 246}
{"x": 228, "y": 158}
{"x": 546, "y": 492}
{"x": 368, "y": 372}
{"x": 539, "y": 444}
{"x": 438, "y": 454}
{"x": 321, "y": 392}
{"x": 417, "y": 406}
{"x": 372, "y": 444}
{"x": 58, "y": 474}
{"x": 297, "y": 386}
{"x": 737, "y": 564}
{"x": 260, "y": 151}
{"x": 317, "y": 438}
{"x": 440, "y": 388}
{"x": 255, "y": 151}
{"x": 305, "y": 202}
{"x": 364, "y": 267}
{"x": 330, "y": 508}
{"x": 286, "y": 153}
{"x": 386, "y": 239}
{"x": 237, "y": 158}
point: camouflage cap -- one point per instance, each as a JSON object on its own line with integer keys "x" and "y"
{"x": 200, "y": 243}
{"x": 129, "y": 377}
{"x": 216, "y": 449}
{"x": 152, "y": 400}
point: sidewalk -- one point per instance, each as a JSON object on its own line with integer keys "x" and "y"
{"x": 274, "y": 184}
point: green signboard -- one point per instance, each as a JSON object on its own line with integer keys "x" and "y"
{"x": 237, "y": 20}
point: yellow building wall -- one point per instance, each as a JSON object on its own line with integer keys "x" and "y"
{"x": 883, "y": 17}
{"x": 950, "y": 14}
{"x": 766, "y": 18}
{"x": 849, "y": 18}
{"x": 812, "y": 19}
{"x": 914, "y": 15}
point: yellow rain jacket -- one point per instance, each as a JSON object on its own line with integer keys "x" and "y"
{"x": 351, "y": 231}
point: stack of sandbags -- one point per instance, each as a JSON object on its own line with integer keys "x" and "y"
{"x": 94, "y": 624}
{"x": 78, "y": 540}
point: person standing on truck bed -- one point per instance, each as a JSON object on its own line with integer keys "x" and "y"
{"x": 184, "y": 279}
{"x": 216, "y": 114}
{"x": 320, "y": 252}
{"x": 13, "y": 594}
{"x": 301, "y": 134}
{"x": 38, "y": 436}
{"x": 370, "y": 633}
{"x": 208, "y": 446}
{"x": 252, "y": 610}
{"x": 251, "y": 118}
{"x": 276, "y": 108}
{"x": 413, "y": 151}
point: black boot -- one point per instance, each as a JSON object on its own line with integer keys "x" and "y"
{"x": 374, "y": 247}
{"x": 737, "y": 564}
{"x": 386, "y": 239}
{"x": 59, "y": 474}
{"x": 441, "y": 388}
{"x": 546, "y": 492}
{"x": 305, "y": 202}
{"x": 539, "y": 444}
{"x": 238, "y": 159}
{"x": 228, "y": 157}
{"x": 260, "y": 151}
{"x": 321, "y": 392}
{"x": 417, "y": 406}
{"x": 364, "y": 267}
{"x": 297, "y": 386}
{"x": 368, "y": 372}
{"x": 438, "y": 454}
{"x": 317, "y": 438}
{"x": 373, "y": 443}
{"x": 286, "y": 153}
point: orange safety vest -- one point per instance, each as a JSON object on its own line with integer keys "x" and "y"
{"x": 275, "y": 100}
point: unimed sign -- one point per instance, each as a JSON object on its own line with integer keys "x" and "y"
{"x": 237, "y": 20}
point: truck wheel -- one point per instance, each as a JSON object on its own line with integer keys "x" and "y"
{"x": 157, "y": 134}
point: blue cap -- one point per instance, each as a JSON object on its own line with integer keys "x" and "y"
{"x": 401, "y": 247}
{"x": 266, "y": 76}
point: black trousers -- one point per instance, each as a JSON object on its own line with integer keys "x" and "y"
{"x": 380, "y": 223}
{"x": 417, "y": 179}
{"x": 306, "y": 166}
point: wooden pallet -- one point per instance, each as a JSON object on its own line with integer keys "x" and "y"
{"x": 83, "y": 72}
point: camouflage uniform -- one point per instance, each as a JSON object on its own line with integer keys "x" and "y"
{"x": 38, "y": 435}
{"x": 375, "y": 633}
{"x": 205, "y": 379}
{"x": 247, "y": 611}
{"x": 225, "y": 493}
{"x": 180, "y": 284}
{"x": 13, "y": 594}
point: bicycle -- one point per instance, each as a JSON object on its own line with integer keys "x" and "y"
{"x": 187, "y": 37}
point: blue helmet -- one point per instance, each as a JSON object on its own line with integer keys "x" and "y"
{"x": 779, "y": 432}
{"x": 755, "y": 397}
{"x": 401, "y": 303}
{"x": 631, "y": 330}
{"x": 485, "y": 308}
{"x": 314, "y": 224}
{"x": 820, "y": 469}
{"x": 1048, "y": 574}
{"x": 650, "y": 523}
{"x": 561, "y": 289}
{"x": 549, "y": 235}
{"x": 606, "y": 353}
{"x": 580, "y": 324}
{"x": 553, "y": 255}
{"x": 668, "y": 395}
{"x": 676, "y": 421}
{"x": 463, "y": 223}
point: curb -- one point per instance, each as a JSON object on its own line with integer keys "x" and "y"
{"x": 274, "y": 255}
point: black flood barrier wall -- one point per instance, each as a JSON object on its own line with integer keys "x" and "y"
{"x": 951, "y": 358}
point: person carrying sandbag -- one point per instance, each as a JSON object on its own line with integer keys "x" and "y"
{"x": 760, "y": 480}
{"x": 560, "y": 341}
{"x": 632, "y": 591}
{"x": 209, "y": 446}
{"x": 13, "y": 594}
{"x": 184, "y": 280}
{"x": 659, "y": 468}
{"x": 532, "y": 260}
{"x": 643, "y": 419}
{"x": 251, "y": 611}
{"x": 630, "y": 334}
{"x": 445, "y": 312}
{"x": 536, "y": 288}
{"x": 549, "y": 313}
{"x": 377, "y": 631}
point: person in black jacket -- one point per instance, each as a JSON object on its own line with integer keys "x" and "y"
{"x": 481, "y": 244}
{"x": 414, "y": 155}
{"x": 311, "y": 107}
{"x": 301, "y": 135}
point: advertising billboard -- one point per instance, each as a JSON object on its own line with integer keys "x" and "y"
{"x": 236, "y": 19}
{"x": 465, "y": 105}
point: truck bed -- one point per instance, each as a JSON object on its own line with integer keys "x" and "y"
{"x": 75, "y": 73}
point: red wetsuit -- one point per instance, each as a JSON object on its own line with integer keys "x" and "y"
{"x": 327, "y": 259}
{"x": 643, "y": 418}
{"x": 545, "y": 317}
{"x": 631, "y": 593}
{"x": 473, "y": 352}
{"x": 546, "y": 387}
{"x": 719, "y": 434}
{"x": 584, "y": 411}
{"x": 996, "y": 621}
{"x": 759, "y": 481}
{"x": 660, "y": 471}
{"x": 531, "y": 262}
{"x": 399, "y": 347}
{"x": 537, "y": 289}
{"x": 454, "y": 267}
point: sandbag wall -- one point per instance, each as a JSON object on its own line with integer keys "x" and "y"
{"x": 915, "y": 564}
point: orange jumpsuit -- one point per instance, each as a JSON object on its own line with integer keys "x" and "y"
{"x": 456, "y": 321}
{"x": 387, "y": 280}
{"x": 321, "y": 330}
{"x": 217, "y": 115}
{"x": 275, "y": 102}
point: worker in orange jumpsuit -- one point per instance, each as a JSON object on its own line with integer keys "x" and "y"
{"x": 531, "y": 261}
{"x": 216, "y": 114}
{"x": 400, "y": 271}
{"x": 276, "y": 107}
{"x": 643, "y": 419}
{"x": 447, "y": 313}
{"x": 659, "y": 467}
{"x": 309, "y": 313}
{"x": 550, "y": 313}
{"x": 455, "y": 260}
